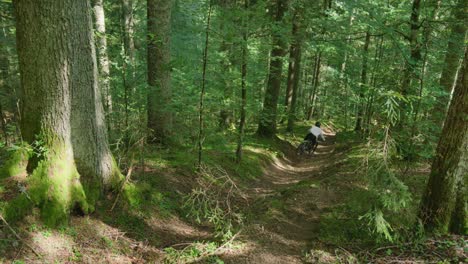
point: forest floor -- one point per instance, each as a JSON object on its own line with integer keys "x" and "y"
{"x": 296, "y": 211}
{"x": 290, "y": 199}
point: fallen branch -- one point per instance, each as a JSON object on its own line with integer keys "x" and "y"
{"x": 127, "y": 178}
{"x": 18, "y": 237}
{"x": 216, "y": 252}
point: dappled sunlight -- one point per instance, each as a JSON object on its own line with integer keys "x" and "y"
{"x": 173, "y": 229}
{"x": 52, "y": 245}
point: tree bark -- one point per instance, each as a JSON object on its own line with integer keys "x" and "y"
{"x": 452, "y": 59}
{"x": 449, "y": 166}
{"x": 61, "y": 107}
{"x": 413, "y": 61}
{"x": 128, "y": 30}
{"x": 294, "y": 72}
{"x": 201, "y": 132}
{"x": 292, "y": 62}
{"x": 159, "y": 70}
{"x": 4, "y": 126}
{"x": 128, "y": 64}
{"x": 243, "y": 86}
{"x": 226, "y": 113}
{"x": 343, "y": 76}
{"x": 315, "y": 84}
{"x": 4, "y": 72}
{"x": 267, "y": 123}
{"x": 103, "y": 58}
{"x": 363, "y": 84}
{"x": 373, "y": 83}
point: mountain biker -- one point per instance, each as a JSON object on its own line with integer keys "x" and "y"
{"x": 315, "y": 132}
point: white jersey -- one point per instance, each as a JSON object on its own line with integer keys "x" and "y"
{"x": 317, "y": 132}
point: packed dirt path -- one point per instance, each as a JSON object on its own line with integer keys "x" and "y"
{"x": 289, "y": 199}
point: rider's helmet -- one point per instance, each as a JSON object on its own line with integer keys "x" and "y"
{"x": 317, "y": 124}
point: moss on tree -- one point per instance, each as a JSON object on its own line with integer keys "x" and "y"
{"x": 56, "y": 189}
{"x": 16, "y": 164}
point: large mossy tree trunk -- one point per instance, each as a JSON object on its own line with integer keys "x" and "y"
{"x": 159, "y": 70}
{"x": 449, "y": 169}
{"x": 453, "y": 54}
{"x": 62, "y": 108}
{"x": 103, "y": 58}
{"x": 267, "y": 123}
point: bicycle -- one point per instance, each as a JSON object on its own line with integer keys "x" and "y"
{"x": 306, "y": 146}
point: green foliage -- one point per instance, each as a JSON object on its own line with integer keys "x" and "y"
{"x": 16, "y": 162}
{"x": 17, "y": 208}
{"x": 379, "y": 225}
{"x": 195, "y": 251}
{"x": 391, "y": 194}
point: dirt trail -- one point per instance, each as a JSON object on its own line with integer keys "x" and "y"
{"x": 290, "y": 199}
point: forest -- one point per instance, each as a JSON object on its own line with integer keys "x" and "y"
{"x": 233, "y": 131}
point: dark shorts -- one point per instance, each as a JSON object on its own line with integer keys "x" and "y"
{"x": 311, "y": 137}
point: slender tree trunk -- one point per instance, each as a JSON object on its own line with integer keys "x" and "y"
{"x": 343, "y": 76}
{"x": 363, "y": 84}
{"x": 128, "y": 30}
{"x": 128, "y": 62}
{"x": 62, "y": 107}
{"x": 103, "y": 59}
{"x": 243, "y": 86}
{"x": 292, "y": 62}
{"x": 413, "y": 61}
{"x": 226, "y": 114}
{"x": 267, "y": 124}
{"x": 452, "y": 59}
{"x": 373, "y": 82}
{"x": 295, "y": 75}
{"x": 159, "y": 70}
{"x": 315, "y": 83}
{"x": 301, "y": 98}
{"x": 4, "y": 126}
{"x": 4, "y": 72}
{"x": 449, "y": 166}
{"x": 201, "y": 132}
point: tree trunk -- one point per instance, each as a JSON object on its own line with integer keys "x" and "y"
{"x": 61, "y": 107}
{"x": 226, "y": 114}
{"x": 103, "y": 59}
{"x": 4, "y": 72}
{"x": 159, "y": 70}
{"x": 128, "y": 72}
{"x": 292, "y": 63}
{"x": 413, "y": 61}
{"x": 267, "y": 124}
{"x": 363, "y": 84}
{"x": 294, "y": 74}
{"x": 449, "y": 166}
{"x": 452, "y": 59}
{"x": 4, "y": 126}
{"x": 243, "y": 86}
{"x": 201, "y": 109}
{"x": 343, "y": 76}
{"x": 128, "y": 30}
{"x": 315, "y": 84}
{"x": 373, "y": 83}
